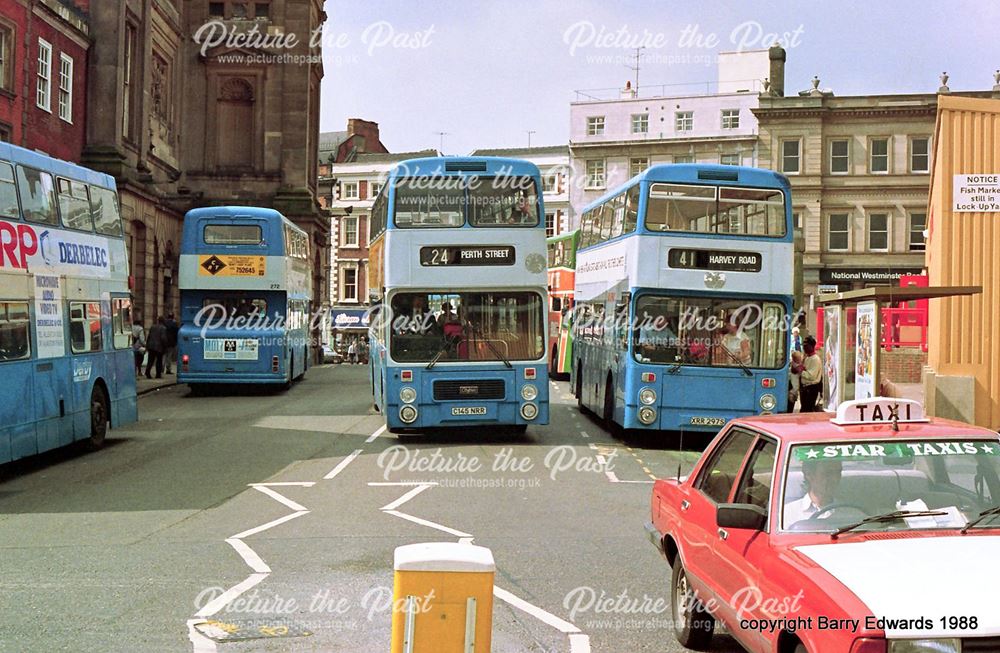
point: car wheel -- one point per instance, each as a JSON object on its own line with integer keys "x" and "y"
{"x": 693, "y": 625}
{"x": 98, "y": 418}
{"x": 801, "y": 648}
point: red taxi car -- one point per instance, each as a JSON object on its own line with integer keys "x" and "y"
{"x": 872, "y": 531}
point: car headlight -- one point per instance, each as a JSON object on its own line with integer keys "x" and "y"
{"x": 647, "y": 396}
{"x": 529, "y": 392}
{"x": 768, "y": 402}
{"x": 529, "y": 411}
{"x": 925, "y": 646}
{"x": 407, "y": 394}
{"x": 647, "y": 415}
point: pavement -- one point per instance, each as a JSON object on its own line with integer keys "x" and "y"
{"x": 275, "y": 514}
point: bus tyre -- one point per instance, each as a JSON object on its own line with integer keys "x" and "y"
{"x": 693, "y": 625}
{"x": 609, "y": 404}
{"x": 98, "y": 418}
{"x": 291, "y": 370}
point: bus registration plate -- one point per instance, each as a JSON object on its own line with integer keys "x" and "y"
{"x": 469, "y": 410}
{"x": 238, "y": 349}
{"x": 708, "y": 421}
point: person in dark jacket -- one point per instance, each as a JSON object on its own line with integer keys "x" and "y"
{"x": 156, "y": 344}
{"x": 171, "y": 352}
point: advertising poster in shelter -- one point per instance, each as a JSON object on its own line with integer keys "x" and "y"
{"x": 866, "y": 353}
{"x": 832, "y": 355}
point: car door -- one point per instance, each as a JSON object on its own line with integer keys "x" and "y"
{"x": 713, "y": 485}
{"x": 739, "y": 553}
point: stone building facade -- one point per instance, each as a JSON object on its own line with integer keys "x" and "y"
{"x": 183, "y": 120}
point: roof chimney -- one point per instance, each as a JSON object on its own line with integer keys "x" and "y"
{"x": 776, "y": 80}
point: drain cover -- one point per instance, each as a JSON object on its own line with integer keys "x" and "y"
{"x": 240, "y": 630}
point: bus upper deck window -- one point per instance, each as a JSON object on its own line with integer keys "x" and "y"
{"x": 37, "y": 195}
{"x": 8, "y": 192}
{"x": 104, "y": 207}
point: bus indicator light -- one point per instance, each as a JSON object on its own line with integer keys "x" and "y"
{"x": 648, "y": 377}
{"x": 767, "y": 383}
{"x": 529, "y": 373}
{"x": 406, "y": 376}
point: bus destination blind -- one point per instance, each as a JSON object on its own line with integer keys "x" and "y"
{"x": 712, "y": 259}
{"x": 467, "y": 255}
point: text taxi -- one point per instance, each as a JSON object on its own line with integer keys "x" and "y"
{"x": 876, "y": 531}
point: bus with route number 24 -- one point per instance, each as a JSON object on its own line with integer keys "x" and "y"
{"x": 562, "y": 271}
{"x": 246, "y": 288}
{"x": 65, "y": 306}
{"x": 457, "y": 274}
{"x": 683, "y": 298}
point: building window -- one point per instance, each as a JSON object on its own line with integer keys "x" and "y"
{"x": 840, "y": 156}
{"x": 235, "y": 107}
{"x": 918, "y": 223}
{"x": 797, "y": 221}
{"x": 376, "y": 188}
{"x": 550, "y": 182}
{"x": 43, "y": 88}
{"x": 349, "y": 190}
{"x": 791, "y": 160}
{"x": 683, "y": 158}
{"x": 595, "y": 126}
{"x": 637, "y": 165}
{"x": 920, "y": 154}
{"x": 730, "y": 118}
{"x": 730, "y": 159}
{"x": 878, "y": 232}
{"x": 550, "y": 224}
{"x": 879, "y": 155}
{"x": 261, "y": 10}
{"x": 128, "y": 87}
{"x": 6, "y": 58}
{"x": 217, "y": 9}
{"x": 349, "y": 231}
{"x": 595, "y": 173}
{"x": 5, "y": 135}
{"x": 349, "y": 285}
{"x": 640, "y": 123}
{"x": 838, "y": 233}
{"x": 684, "y": 121}
{"x": 66, "y": 87}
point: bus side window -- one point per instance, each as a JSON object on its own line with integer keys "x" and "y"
{"x": 104, "y": 207}
{"x": 8, "y": 192}
{"x": 14, "y": 341}
{"x": 631, "y": 209}
{"x": 85, "y": 327}
{"x": 37, "y": 196}
{"x": 121, "y": 320}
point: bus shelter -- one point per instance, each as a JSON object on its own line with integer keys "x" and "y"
{"x": 853, "y": 338}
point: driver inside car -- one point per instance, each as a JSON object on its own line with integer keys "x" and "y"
{"x": 821, "y": 478}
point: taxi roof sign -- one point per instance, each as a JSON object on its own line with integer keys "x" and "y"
{"x": 880, "y": 410}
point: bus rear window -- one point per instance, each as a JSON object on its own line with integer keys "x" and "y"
{"x": 8, "y": 192}
{"x": 216, "y": 308}
{"x": 233, "y": 234}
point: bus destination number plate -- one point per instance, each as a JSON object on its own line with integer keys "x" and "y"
{"x": 708, "y": 421}
{"x": 469, "y": 410}
{"x": 467, "y": 255}
{"x": 713, "y": 259}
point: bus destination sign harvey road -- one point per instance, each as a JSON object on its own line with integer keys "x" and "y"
{"x": 467, "y": 255}
{"x": 712, "y": 259}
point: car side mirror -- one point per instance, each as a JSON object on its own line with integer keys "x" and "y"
{"x": 740, "y": 515}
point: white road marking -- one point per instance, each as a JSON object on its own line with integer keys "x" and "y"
{"x": 584, "y": 434}
{"x": 249, "y": 556}
{"x": 402, "y": 483}
{"x": 342, "y": 464}
{"x": 285, "y": 484}
{"x": 466, "y": 540}
{"x": 263, "y": 527}
{"x": 406, "y": 497}
{"x": 536, "y": 612}
{"x": 612, "y": 476}
{"x": 199, "y": 643}
{"x": 223, "y": 599}
{"x": 371, "y": 438}
{"x": 579, "y": 643}
{"x": 280, "y": 498}
{"x": 429, "y": 524}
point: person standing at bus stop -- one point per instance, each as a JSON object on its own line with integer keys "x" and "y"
{"x": 138, "y": 345}
{"x": 811, "y": 379}
{"x": 171, "y": 351}
{"x": 156, "y": 344}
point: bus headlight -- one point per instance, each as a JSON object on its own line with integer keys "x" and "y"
{"x": 647, "y": 396}
{"x": 768, "y": 402}
{"x": 529, "y": 392}
{"x": 647, "y": 415}
{"x": 529, "y": 411}
{"x": 407, "y": 395}
{"x": 408, "y": 414}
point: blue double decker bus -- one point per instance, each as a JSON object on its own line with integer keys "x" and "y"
{"x": 683, "y": 298}
{"x": 458, "y": 275}
{"x": 65, "y": 306}
{"x": 245, "y": 288}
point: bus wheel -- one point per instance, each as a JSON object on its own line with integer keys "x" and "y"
{"x": 609, "y": 407}
{"x": 305, "y": 363}
{"x": 98, "y": 418}
{"x": 291, "y": 371}
{"x": 579, "y": 387}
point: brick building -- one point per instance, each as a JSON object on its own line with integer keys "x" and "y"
{"x": 44, "y": 46}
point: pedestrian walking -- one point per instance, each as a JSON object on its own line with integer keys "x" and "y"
{"x": 138, "y": 345}
{"x": 811, "y": 379}
{"x": 156, "y": 345}
{"x": 796, "y": 339}
{"x": 171, "y": 353}
{"x": 352, "y": 352}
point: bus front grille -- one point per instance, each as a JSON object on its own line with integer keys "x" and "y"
{"x": 470, "y": 390}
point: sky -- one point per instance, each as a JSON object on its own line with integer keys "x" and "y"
{"x": 488, "y": 72}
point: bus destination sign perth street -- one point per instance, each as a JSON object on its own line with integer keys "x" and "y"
{"x": 467, "y": 255}
{"x": 712, "y": 259}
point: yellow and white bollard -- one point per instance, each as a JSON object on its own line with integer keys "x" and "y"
{"x": 442, "y": 598}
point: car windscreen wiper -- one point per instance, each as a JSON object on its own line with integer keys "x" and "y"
{"x": 496, "y": 352}
{"x": 746, "y": 370}
{"x": 989, "y": 512}
{"x": 895, "y": 515}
